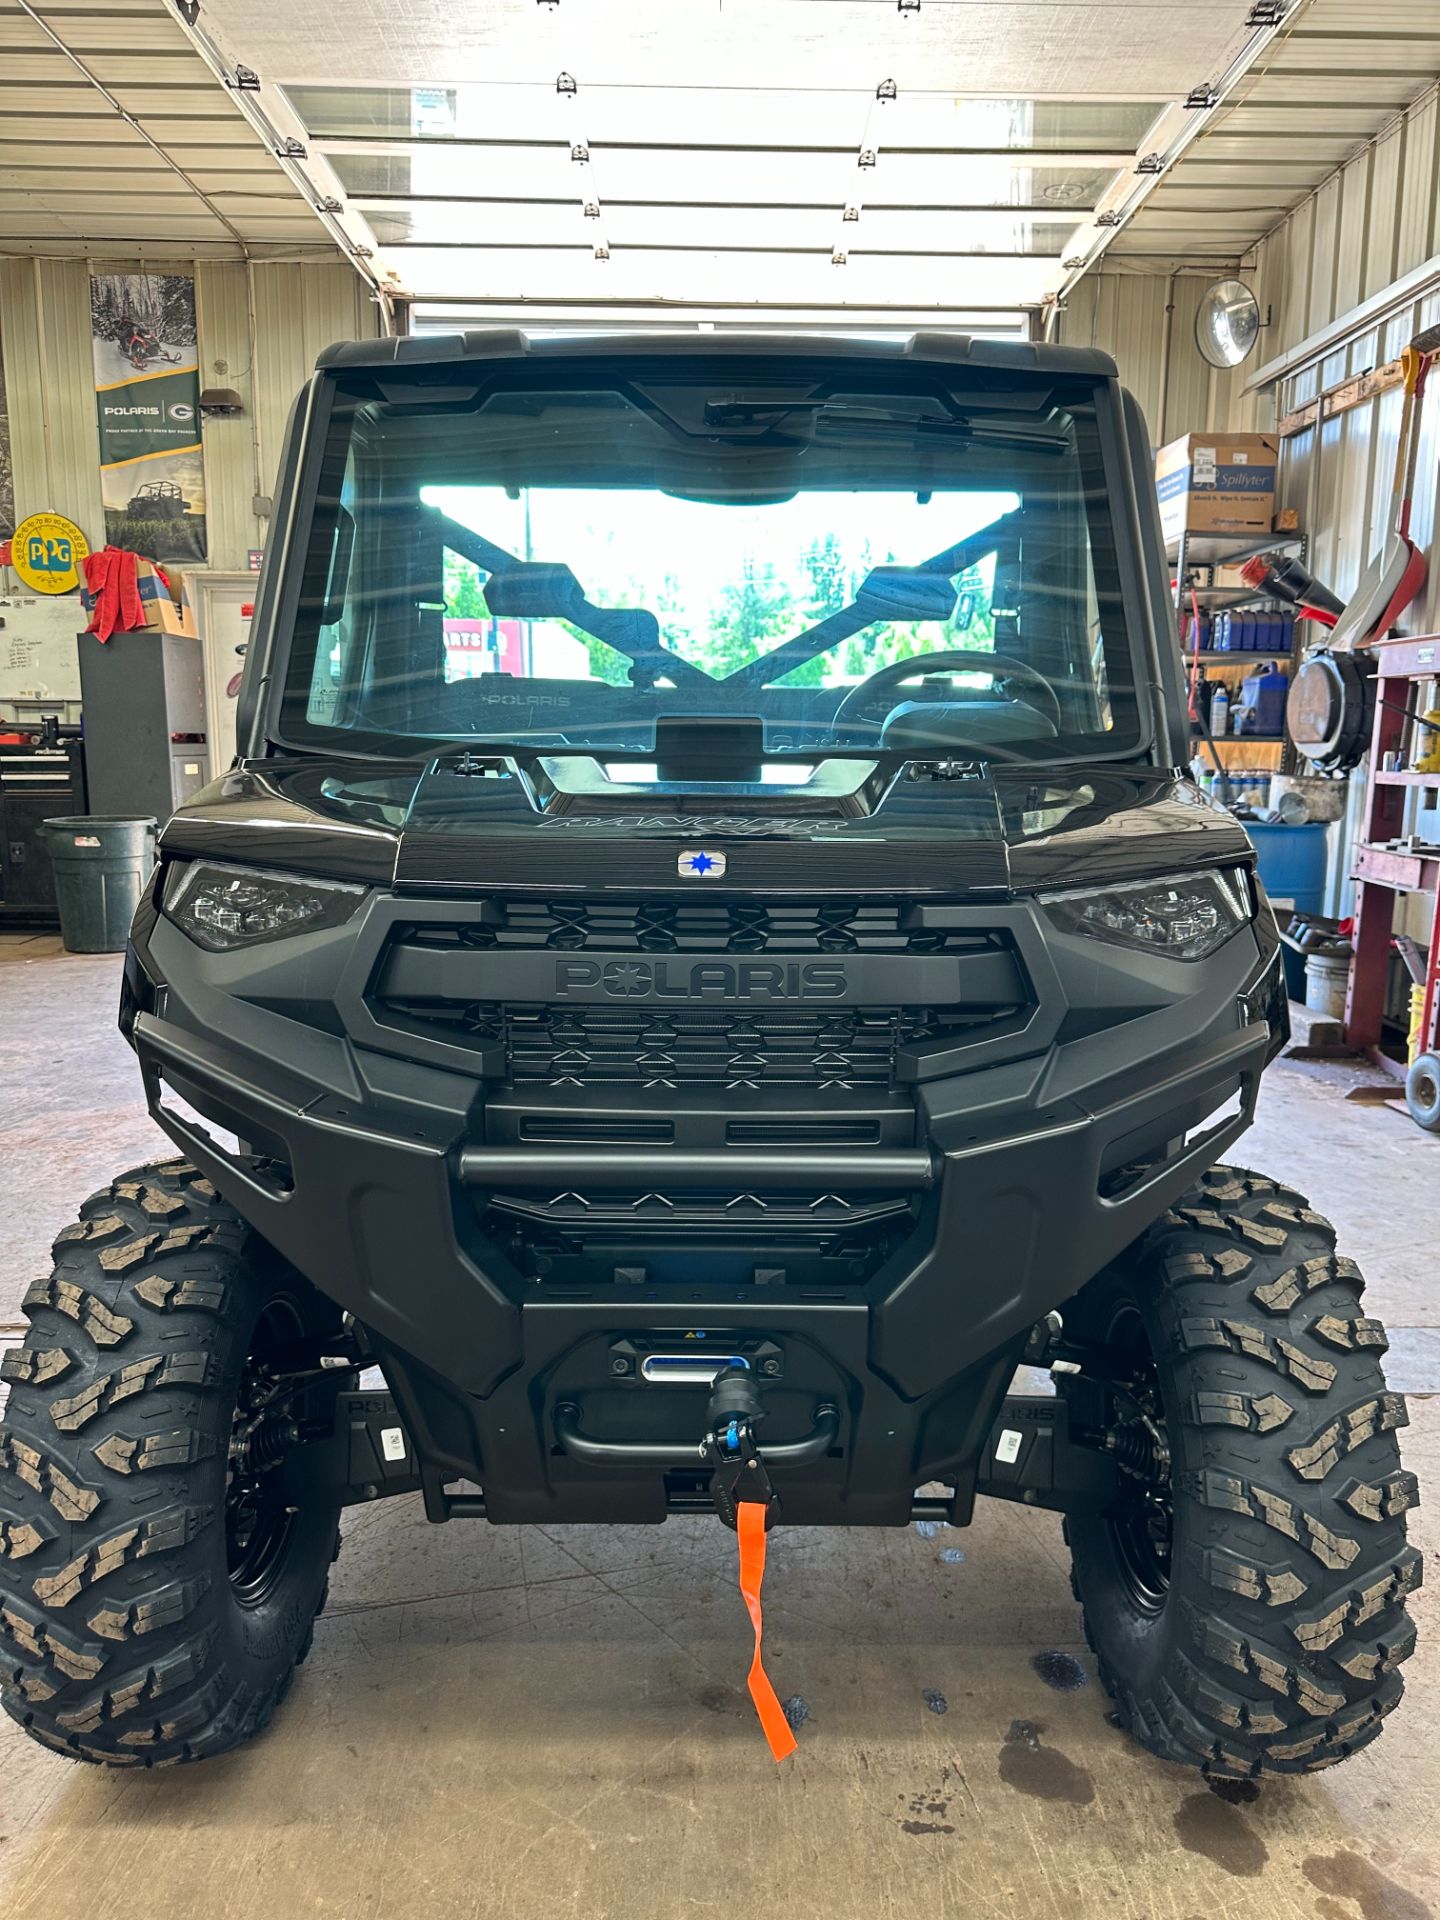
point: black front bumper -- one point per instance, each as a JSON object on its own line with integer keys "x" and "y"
{"x": 1034, "y": 1168}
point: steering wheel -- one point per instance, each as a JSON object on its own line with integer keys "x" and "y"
{"x": 1000, "y": 666}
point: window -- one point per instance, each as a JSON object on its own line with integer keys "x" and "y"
{"x": 564, "y": 563}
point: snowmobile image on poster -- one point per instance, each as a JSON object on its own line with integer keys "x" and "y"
{"x": 147, "y": 403}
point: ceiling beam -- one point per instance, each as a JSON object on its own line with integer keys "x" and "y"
{"x": 1173, "y": 134}
{"x": 709, "y": 247}
{"x": 130, "y": 120}
{"x": 268, "y": 111}
{"x": 397, "y": 147}
{"x": 382, "y": 202}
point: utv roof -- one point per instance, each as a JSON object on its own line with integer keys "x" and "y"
{"x": 509, "y": 343}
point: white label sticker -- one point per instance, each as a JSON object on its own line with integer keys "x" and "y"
{"x": 1007, "y": 1447}
{"x": 1203, "y": 467}
{"x": 392, "y": 1442}
{"x": 1239, "y": 459}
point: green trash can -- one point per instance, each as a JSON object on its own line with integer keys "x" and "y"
{"x": 101, "y": 863}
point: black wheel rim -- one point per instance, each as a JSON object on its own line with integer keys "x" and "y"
{"x": 259, "y": 1522}
{"x": 1142, "y": 1530}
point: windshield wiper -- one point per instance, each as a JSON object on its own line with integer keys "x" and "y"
{"x": 887, "y": 420}
{"x": 863, "y": 611}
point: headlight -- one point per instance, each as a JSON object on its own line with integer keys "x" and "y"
{"x": 1185, "y": 916}
{"x": 224, "y": 907}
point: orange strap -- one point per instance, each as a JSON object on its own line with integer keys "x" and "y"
{"x": 750, "y": 1525}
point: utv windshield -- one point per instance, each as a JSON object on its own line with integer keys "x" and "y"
{"x": 568, "y": 555}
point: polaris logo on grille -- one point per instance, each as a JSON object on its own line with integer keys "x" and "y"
{"x": 695, "y": 865}
{"x": 702, "y": 980}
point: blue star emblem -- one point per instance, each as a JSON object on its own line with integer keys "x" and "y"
{"x": 698, "y": 865}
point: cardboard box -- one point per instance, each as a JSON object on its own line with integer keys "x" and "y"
{"x": 158, "y": 599}
{"x": 167, "y": 609}
{"x": 163, "y": 616}
{"x": 1216, "y": 483}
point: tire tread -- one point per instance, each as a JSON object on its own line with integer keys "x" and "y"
{"x": 1290, "y": 1592}
{"x": 112, "y": 1639}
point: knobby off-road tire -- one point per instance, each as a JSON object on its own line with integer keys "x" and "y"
{"x": 124, "y": 1637}
{"x": 1276, "y": 1644}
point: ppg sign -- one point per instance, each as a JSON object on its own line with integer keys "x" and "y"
{"x": 49, "y": 554}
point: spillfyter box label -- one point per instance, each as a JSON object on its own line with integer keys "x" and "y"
{"x": 1216, "y": 483}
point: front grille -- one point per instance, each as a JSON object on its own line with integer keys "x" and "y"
{"x": 703, "y": 926}
{"x": 720, "y": 1048}
{"x": 817, "y": 1216}
{"x": 621, "y": 1242}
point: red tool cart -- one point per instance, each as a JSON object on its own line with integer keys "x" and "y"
{"x": 1388, "y": 863}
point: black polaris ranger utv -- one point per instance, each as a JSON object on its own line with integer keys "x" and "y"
{"x": 706, "y": 960}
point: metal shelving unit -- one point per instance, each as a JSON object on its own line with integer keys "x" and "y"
{"x": 1384, "y": 864}
{"x": 1195, "y": 558}
{"x": 1203, "y": 553}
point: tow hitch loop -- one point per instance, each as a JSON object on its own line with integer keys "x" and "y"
{"x": 746, "y": 1500}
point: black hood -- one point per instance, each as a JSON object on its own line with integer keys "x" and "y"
{"x": 466, "y": 824}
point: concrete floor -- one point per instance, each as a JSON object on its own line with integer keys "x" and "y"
{"x": 553, "y": 1722}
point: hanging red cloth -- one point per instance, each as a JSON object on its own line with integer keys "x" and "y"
{"x": 110, "y": 579}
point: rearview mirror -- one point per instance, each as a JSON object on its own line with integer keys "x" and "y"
{"x": 905, "y": 593}
{"x": 534, "y": 590}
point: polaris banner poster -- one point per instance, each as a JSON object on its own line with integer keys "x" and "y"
{"x": 147, "y": 400}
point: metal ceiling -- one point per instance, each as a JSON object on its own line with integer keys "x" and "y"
{"x": 876, "y": 162}
{"x": 116, "y": 138}
{"x": 1335, "y": 77}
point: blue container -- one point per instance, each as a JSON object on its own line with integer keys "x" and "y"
{"x": 1292, "y": 865}
{"x": 1262, "y": 697}
{"x": 1292, "y": 870}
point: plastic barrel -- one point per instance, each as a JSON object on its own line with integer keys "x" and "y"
{"x": 1292, "y": 870}
{"x": 101, "y": 863}
{"x": 1292, "y": 865}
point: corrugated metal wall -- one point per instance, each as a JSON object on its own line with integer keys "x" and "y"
{"x": 50, "y": 390}
{"x": 1373, "y": 227}
{"x": 1124, "y": 313}
{"x": 260, "y": 329}
{"x": 1374, "y": 221}
{"x": 1372, "y": 224}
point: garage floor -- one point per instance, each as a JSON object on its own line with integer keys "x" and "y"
{"x": 554, "y": 1722}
